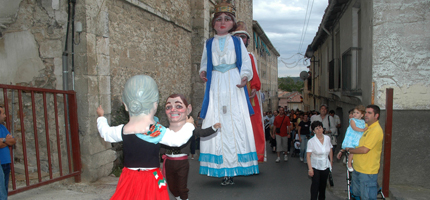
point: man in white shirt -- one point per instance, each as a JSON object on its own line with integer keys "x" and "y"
{"x": 336, "y": 122}
{"x": 328, "y": 123}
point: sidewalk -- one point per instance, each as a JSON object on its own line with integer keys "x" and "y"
{"x": 339, "y": 179}
{"x": 403, "y": 192}
{"x": 69, "y": 190}
{"x": 397, "y": 192}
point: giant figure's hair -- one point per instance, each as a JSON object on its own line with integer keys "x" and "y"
{"x": 140, "y": 93}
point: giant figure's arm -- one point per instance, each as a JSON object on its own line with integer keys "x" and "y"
{"x": 246, "y": 69}
{"x": 204, "y": 61}
{"x": 198, "y": 132}
{"x": 255, "y": 82}
{"x": 109, "y": 133}
{"x": 177, "y": 139}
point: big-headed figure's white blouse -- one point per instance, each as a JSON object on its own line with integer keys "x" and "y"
{"x": 227, "y": 56}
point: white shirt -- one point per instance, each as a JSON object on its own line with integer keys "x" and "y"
{"x": 336, "y": 122}
{"x": 320, "y": 152}
{"x": 331, "y": 127}
{"x": 170, "y": 138}
{"x": 271, "y": 120}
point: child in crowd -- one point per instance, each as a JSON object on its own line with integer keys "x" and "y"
{"x": 296, "y": 151}
{"x": 354, "y": 132}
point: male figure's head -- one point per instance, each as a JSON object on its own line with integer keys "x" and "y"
{"x": 2, "y": 115}
{"x": 177, "y": 108}
{"x": 140, "y": 95}
{"x": 323, "y": 110}
{"x": 242, "y": 32}
{"x": 372, "y": 114}
{"x": 275, "y": 113}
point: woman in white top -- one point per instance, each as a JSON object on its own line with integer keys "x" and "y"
{"x": 319, "y": 165}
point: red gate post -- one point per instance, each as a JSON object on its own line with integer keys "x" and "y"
{"x": 74, "y": 135}
{"x": 387, "y": 143}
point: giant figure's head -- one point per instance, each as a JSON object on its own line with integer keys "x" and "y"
{"x": 224, "y": 20}
{"x": 177, "y": 108}
{"x": 241, "y": 31}
{"x": 140, "y": 95}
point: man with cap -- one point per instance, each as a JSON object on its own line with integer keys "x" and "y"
{"x": 328, "y": 121}
{"x": 254, "y": 87}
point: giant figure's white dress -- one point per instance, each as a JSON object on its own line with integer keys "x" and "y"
{"x": 231, "y": 151}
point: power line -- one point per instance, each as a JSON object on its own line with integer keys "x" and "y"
{"x": 300, "y": 58}
{"x": 307, "y": 25}
{"x": 305, "y": 28}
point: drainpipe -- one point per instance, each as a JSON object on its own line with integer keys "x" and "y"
{"x": 73, "y": 44}
{"x": 314, "y": 79}
{"x": 65, "y": 70}
{"x": 66, "y": 54}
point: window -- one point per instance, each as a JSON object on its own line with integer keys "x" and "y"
{"x": 350, "y": 70}
{"x": 331, "y": 78}
{"x": 334, "y": 74}
{"x": 346, "y": 70}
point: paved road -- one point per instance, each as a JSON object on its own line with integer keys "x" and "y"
{"x": 276, "y": 181}
{"x": 284, "y": 180}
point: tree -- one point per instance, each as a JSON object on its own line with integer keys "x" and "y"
{"x": 290, "y": 84}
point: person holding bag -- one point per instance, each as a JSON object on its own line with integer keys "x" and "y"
{"x": 282, "y": 128}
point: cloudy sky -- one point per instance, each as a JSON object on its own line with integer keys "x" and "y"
{"x": 283, "y": 23}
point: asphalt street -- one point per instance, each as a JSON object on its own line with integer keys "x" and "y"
{"x": 283, "y": 180}
{"x": 277, "y": 181}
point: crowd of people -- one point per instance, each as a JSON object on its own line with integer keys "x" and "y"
{"x": 314, "y": 134}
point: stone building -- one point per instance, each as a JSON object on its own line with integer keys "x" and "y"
{"x": 361, "y": 49}
{"x": 112, "y": 41}
{"x": 267, "y": 62}
{"x": 293, "y": 100}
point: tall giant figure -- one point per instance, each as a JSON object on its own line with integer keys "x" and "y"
{"x": 254, "y": 87}
{"x": 226, "y": 67}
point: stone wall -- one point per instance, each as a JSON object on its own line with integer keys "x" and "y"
{"x": 201, "y": 17}
{"x": 123, "y": 39}
{"x": 400, "y": 46}
{"x": 31, "y": 46}
{"x": 409, "y": 152}
{"x": 401, "y": 61}
{"x": 143, "y": 43}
